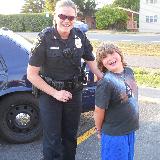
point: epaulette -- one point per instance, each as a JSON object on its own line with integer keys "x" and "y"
{"x": 45, "y": 31}
{"x": 41, "y": 35}
{"x": 78, "y": 31}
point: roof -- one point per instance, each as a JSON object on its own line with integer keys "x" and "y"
{"x": 128, "y": 10}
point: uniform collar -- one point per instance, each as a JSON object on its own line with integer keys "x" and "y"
{"x": 56, "y": 35}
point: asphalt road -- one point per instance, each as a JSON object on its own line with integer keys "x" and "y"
{"x": 147, "y": 141}
{"x": 104, "y": 36}
{"x": 138, "y": 37}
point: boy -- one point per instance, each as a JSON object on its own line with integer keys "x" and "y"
{"x": 116, "y": 111}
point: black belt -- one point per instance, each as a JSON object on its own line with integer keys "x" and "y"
{"x": 60, "y": 85}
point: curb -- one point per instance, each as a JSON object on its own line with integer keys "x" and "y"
{"x": 149, "y": 99}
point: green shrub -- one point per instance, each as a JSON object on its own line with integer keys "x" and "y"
{"x": 109, "y": 17}
{"x": 34, "y": 22}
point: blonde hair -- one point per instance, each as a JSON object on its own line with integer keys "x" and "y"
{"x": 65, "y": 3}
{"x": 103, "y": 50}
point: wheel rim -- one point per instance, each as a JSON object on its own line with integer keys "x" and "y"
{"x": 22, "y": 118}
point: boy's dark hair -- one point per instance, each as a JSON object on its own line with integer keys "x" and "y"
{"x": 103, "y": 50}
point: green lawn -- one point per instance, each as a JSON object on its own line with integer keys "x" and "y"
{"x": 133, "y": 48}
{"x": 147, "y": 77}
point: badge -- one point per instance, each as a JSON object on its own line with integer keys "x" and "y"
{"x": 78, "y": 43}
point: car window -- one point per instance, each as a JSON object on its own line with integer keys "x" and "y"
{"x": 3, "y": 66}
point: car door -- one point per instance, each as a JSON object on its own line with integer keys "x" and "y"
{"x": 88, "y": 95}
{"x": 3, "y": 73}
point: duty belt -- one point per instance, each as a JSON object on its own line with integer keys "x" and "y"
{"x": 60, "y": 85}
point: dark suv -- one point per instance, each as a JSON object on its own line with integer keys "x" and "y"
{"x": 19, "y": 112}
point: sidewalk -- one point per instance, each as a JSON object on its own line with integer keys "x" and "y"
{"x": 149, "y": 94}
{"x": 143, "y": 61}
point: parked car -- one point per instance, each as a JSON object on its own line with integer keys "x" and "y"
{"x": 19, "y": 111}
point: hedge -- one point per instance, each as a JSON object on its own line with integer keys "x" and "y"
{"x": 32, "y": 22}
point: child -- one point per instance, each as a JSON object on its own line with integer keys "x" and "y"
{"x": 116, "y": 112}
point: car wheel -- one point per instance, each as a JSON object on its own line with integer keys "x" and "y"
{"x": 19, "y": 118}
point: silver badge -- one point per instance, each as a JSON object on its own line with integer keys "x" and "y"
{"x": 78, "y": 42}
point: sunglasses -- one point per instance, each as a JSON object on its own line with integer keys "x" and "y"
{"x": 64, "y": 17}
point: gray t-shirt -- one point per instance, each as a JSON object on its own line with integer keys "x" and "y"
{"x": 117, "y": 93}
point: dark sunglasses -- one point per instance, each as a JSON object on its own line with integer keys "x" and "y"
{"x": 64, "y": 17}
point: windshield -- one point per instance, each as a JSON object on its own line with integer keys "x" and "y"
{"x": 22, "y": 42}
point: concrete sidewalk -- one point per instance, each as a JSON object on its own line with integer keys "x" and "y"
{"x": 143, "y": 61}
{"x": 149, "y": 94}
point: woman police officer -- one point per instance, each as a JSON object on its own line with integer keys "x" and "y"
{"x": 60, "y": 108}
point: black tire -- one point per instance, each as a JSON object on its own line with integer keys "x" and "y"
{"x": 20, "y": 118}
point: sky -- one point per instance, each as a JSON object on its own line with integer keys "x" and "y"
{"x": 102, "y": 2}
{"x": 14, "y": 6}
{"x": 10, "y": 6}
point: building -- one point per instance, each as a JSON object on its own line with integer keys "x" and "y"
{"x": 149, "y": 16}
{"x": 131, "y": 23}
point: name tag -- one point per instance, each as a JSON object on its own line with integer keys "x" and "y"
{"x": 54, "y": 47}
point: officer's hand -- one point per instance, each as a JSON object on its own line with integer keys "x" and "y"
{"x": 63, "y": 95}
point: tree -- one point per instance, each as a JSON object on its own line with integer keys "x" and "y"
{"x": 109, "y": 17}
{"x": 87, "y": 7}
{"x": 33, "y": 6}
{"x": 50, "y": 5}
{"x": 131, "y": 4}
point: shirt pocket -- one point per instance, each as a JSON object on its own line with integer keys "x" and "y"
{"x": 77, "y": 55}
{"x": 53, "y": 53}
{"x": 54, "y": 57}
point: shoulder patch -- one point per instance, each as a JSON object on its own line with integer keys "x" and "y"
{"x": 37, "y": 42}
{"x": 79, "y": 32}
{"x": 48, "y": 29}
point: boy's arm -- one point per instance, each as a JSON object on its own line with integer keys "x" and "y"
{"x": 99, "y": 114}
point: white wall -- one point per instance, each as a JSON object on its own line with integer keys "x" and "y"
{"x": 149, "y": 10}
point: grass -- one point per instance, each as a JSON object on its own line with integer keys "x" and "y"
{"x": 133, "y": 48}
{"x": 147, "y": 77}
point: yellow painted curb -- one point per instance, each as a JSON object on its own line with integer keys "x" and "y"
{"x": 86, "y": 135}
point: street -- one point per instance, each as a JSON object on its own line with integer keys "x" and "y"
{"x": 145, "y": 38}
{"x": 147, "y": 141}
{"x": 104, "y": 36}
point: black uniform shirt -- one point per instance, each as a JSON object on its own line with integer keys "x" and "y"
{"x": 48, "y": 53}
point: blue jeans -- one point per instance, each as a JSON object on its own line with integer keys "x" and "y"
{"x": 60, "y": 124}
{"x": 117, "y": 147}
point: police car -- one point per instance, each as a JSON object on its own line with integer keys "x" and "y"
{"x": 19, "y": 112}
{"x": 82, "y": 26}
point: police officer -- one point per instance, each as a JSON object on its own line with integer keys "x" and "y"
{"x": 57, "y": 54}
